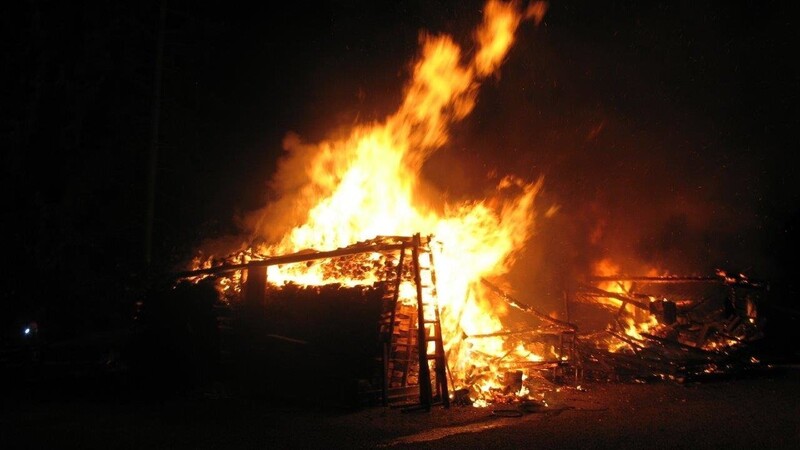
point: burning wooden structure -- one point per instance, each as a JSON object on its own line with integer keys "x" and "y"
{"x": 668, "y": 327}
{"x": 412, "y": 356}
{"x": 366, "y": 182}
{"x": 441, "y": 331}
{"x": 416, "y": 357}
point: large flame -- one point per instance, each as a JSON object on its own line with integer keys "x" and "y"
{"x": 368, "y": 183}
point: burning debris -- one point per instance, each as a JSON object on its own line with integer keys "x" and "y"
{"x": 671, "y": 327}
{"x": 658, "y": 328}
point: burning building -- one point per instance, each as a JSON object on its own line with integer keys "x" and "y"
{"x": 354, "y": 213}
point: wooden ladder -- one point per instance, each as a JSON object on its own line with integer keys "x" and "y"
{"x": 396, "y": 326}
{"x": 411, "y": 335}
{"x": 429, "y": 329}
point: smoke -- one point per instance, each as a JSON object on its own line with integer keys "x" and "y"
{"x": 627, "y": 115}
{"x": 643, "y": 163}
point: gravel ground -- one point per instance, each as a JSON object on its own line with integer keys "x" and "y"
{"x": 761, "y": 412}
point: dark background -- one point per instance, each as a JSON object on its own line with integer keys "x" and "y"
{"x": 664, "y": 131}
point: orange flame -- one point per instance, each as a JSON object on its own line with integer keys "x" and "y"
{"x": 367, "y": 184}
{"x": 635, "y": 321}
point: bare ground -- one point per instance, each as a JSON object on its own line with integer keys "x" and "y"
{"x": 759, "y": 412}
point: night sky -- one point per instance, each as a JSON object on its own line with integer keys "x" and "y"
{"x": 666, "y": 127}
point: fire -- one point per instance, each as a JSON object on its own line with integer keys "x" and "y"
{"x": 635, "y": 321}
{"x": 367, "y": 184}
{"x": 366, "y": 187}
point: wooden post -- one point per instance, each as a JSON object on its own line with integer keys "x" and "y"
{"x": 255, "y": 289}
{"x": 425, "y": 389}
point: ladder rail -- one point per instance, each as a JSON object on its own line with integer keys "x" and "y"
{"x": 440, "y": 357}
{"x": 388, "y": 332}
{"x": 425, "y": 389}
